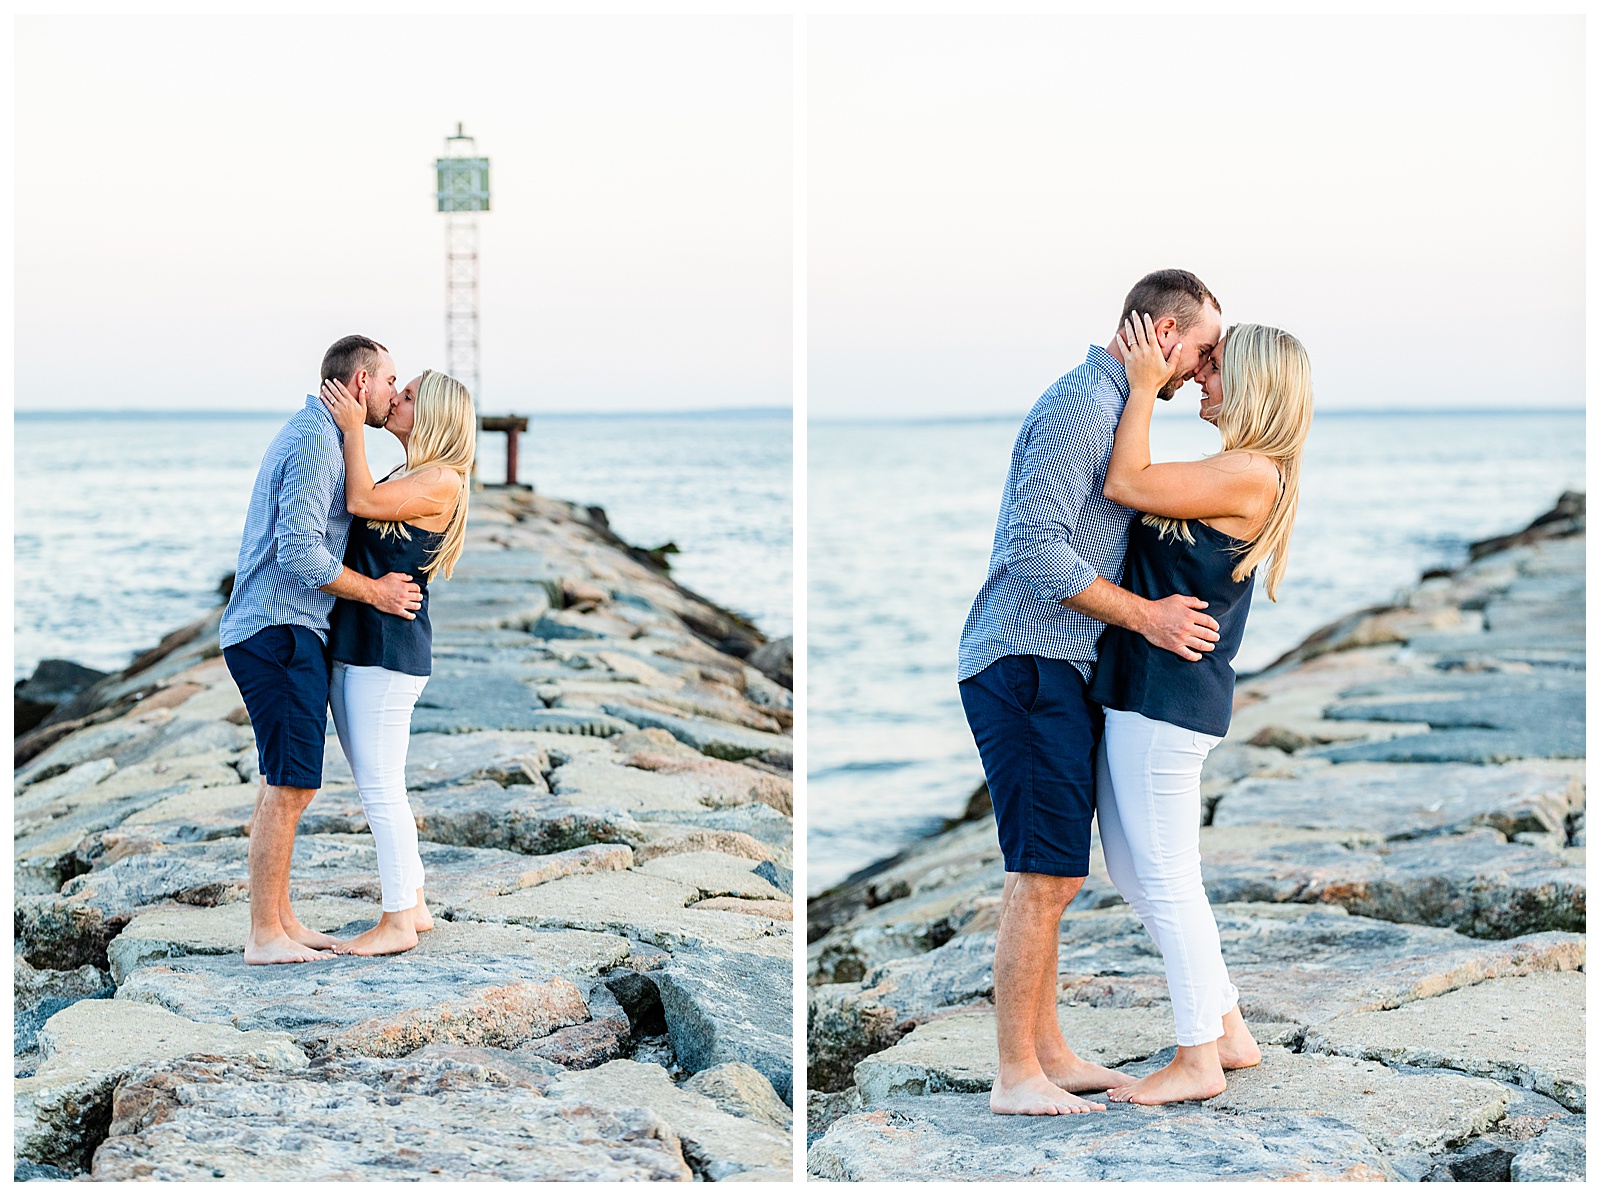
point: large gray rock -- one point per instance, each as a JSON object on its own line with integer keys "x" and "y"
{"x": 1474, "y": 882}
{"x": 360, "y": 1119}
{"x": 1403, "y": 1114}
{"x": 725, "y": 1006}
{"x": 628, "y": 903}
{"x": 1529, "y": 1031}
{"x": 740, "y": 1089}
{"x": 957, "y": 1138}
{"x": 719, "y": 739}
{"x": 716, "y": 874}
{"x": 1557, "y": 1155}
{"x": 378, "y": 1007}
{"x": 716, "y": 1143}
{"x": 1477, "y": 718}
{"x": 62, "y": 1110}
{"x": 1403, "y": 800}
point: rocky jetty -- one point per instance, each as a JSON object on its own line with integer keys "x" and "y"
{"x": 1394, "y": 845}
{"x": 602, "y": 781}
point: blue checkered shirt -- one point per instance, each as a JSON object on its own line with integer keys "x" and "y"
{"x": 1056, "y": 531}
{"x": 295, "y": 531}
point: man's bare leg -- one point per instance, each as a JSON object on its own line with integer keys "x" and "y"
{"x": 272, "y": 828}
{"x": 1236, "y": 1048}
{"x": 1061, "y": 1065}
{"x": 1030, "y": 916}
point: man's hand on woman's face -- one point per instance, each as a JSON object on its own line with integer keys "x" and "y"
{"x": 348, "y": 413}
{"x": 1148, "y": 368}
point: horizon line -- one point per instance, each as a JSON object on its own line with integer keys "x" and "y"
{"x": 229, "y": 413}
{"x": 974, "y": 418}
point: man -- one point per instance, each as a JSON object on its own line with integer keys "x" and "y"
{"x": 1027, "y": 652}
{"x": 275, "y": 630}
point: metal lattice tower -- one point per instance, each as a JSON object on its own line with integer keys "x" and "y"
{"x": 463, "y": 193}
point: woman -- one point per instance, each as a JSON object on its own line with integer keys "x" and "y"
{"x": 413, "y": 522}
{"x": 1206, "y": 529}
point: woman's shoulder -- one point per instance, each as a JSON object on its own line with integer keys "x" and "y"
{"x": 1252, "y": 464}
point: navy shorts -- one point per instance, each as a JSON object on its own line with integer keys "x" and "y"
{"x": 1037, "y": 732}
{"x": 282, "y": 673}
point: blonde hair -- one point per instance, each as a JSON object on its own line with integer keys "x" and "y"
{"x": 444, "y": 434}
{"x": 1266, "y": 409}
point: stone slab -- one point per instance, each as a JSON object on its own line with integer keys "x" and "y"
{"x": 372, "y": 1121}
{"x": 1528, "y": 1031}
{"x": 1405, "y": 800}
{"x": 628, "y": 903}
{"x": 956, "y": 1138}
{"x": 1474, "y": 882}
{"x": 723, "y": 1006}
{"x": 715, "y": 738}
{"x": 716, "y": 874}
{"x": 740, "y": 1089}
{"x": 62, "y": 1108}
{"x": 377, "y": 1007}
{"x": 717, "y": 1144}
{"x": 1558, "y": 1155}
{"x": 1402, "y": 1114}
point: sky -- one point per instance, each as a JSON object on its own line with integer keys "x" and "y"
{"x": 204, "y": 204}
{"x": 1405, "y": 195}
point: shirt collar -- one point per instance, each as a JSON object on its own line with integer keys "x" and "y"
{"x": 315, "y": 404}
{"x": 1101, "y": 359}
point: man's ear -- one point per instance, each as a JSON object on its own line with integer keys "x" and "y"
{"x": 359, "y": 391}
{"x": 1167, "y": 332}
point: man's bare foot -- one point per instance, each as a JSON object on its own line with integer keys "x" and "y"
{"x": 281, "y": 949}
{"x": 1237, "y": 1048}
{"x": 1175, "y": 1082}
{"x": 1074, "y": 1074}
{"x": 386, "y": 937}
{"x": 421, "y": 918}
{"x": 306, "y": 937}
{"x": 1036, "y": 1096}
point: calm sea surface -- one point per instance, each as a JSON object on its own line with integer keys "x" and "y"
{"x": 125, "y": 524}
{"x": 901, "y": 521}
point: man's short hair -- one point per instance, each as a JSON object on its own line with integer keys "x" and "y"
{"x": 1177, "y": 292}
{"x": 351, "y": 354}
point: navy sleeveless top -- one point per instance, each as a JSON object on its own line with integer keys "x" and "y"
{"x": 1134, "y": 676}
{"x": 361, "y": 636}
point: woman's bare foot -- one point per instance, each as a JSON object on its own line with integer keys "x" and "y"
{"x": 1036, "y": 1096}
{"x": 1195, "y": 1074}
{"x": 393, "y": 934}
{"x": 1074, "y": 1074}
{"x": 1236, "y": 1048}
{"x": 421, "y": 918}
{"x": 281, "y": 949}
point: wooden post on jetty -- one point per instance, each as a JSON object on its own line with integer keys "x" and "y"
{"x": 510, "y": 426}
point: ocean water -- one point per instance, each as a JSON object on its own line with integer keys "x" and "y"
{"x": 901, "y": 518}
{"x": 126, "y": 523}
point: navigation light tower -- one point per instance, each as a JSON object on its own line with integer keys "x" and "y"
{"x": 463, "y": 194}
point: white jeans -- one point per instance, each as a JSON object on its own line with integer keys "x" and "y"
{"x": 1147, "y": 795}
{"x": 372, "y": 712}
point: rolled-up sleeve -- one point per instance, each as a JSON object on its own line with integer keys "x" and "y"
{"x": 1054, "y": 480}
{"x": 310, "y": 478}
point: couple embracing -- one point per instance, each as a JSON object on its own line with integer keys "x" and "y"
{"x": 1085, "y": 696}
{"x": 330, "y": 608}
